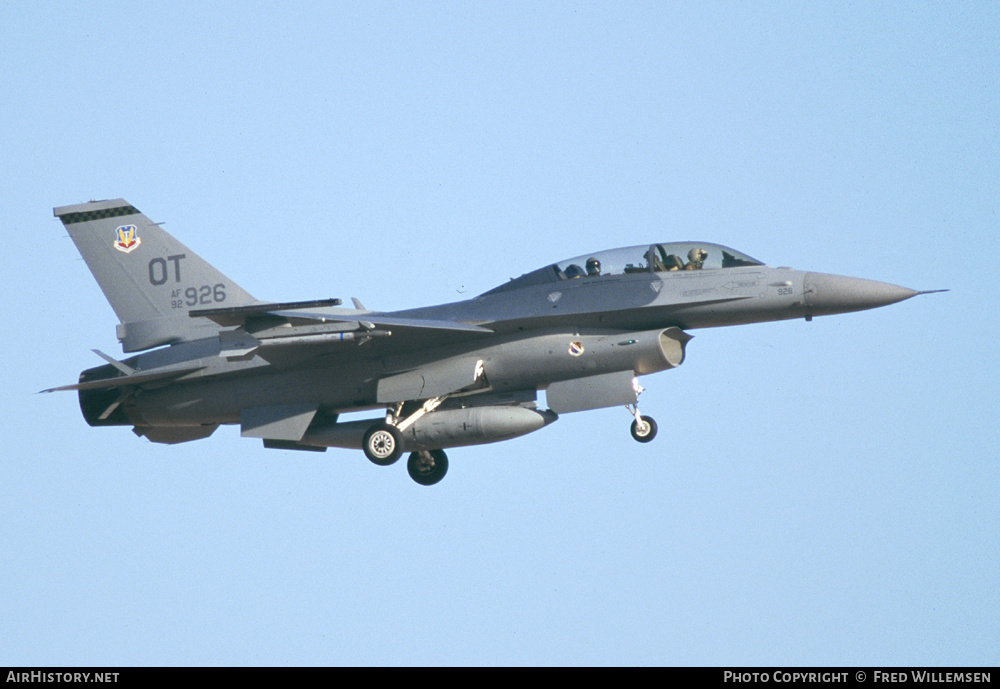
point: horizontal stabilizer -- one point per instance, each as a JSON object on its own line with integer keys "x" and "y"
{"x": 135, "y": 379}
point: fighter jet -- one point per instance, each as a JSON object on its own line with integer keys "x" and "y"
{"x": 458, "y": 374}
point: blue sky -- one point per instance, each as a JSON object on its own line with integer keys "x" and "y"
{"x": 819, "y": 493}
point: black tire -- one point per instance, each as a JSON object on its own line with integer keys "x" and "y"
{"x": 647, "y": 433}
{"x": 383, "y": 444}
{"x": 427, "y": 468}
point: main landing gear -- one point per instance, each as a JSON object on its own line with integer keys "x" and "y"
{"x": 383, "y": 445}
{"x": 383, "y": 442}
{"x": 427, "y": 467}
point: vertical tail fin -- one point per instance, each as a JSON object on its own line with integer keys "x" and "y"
{"x": 151, "y": 279}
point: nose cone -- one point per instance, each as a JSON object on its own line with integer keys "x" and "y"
{"x": 830, "y": 294}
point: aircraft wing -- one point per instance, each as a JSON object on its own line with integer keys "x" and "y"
{"x": 286, "y": 333}
{"x": 385, "y": 321}
{"x": 238, "y": 315}
{"x": 299, "y": 312}
{"x": 283, "y": 333}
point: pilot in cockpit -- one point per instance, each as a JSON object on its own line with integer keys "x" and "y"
{"x": 593, "y": 267}
{"x": 696, "y": 259}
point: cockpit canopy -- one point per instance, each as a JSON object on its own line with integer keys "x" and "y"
{"x": 645, "y": 258}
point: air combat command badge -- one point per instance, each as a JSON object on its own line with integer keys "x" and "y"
{"x": 126, "y": 238}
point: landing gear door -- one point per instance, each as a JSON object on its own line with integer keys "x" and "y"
{"x": 594, "y": 392}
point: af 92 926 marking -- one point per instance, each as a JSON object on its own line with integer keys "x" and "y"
{"x": 195, "y": 296}
{"x": 162, "y": 269}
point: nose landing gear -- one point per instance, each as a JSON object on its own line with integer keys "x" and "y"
{"x": 644, "y": 427}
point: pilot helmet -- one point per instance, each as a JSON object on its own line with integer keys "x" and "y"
{"x": 593, "y": 266}
{"x": 697, "y": 255}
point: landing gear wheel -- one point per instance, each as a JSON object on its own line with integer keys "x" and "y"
{"x": 644, "y": 432}
{"x": 427, "y": 467}
{"x": 383, "y": 444}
